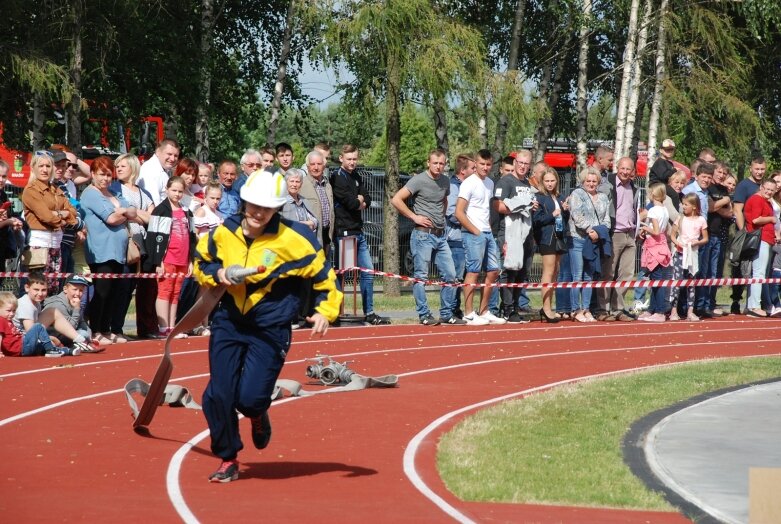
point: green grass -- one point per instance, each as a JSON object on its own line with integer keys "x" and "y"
{"x": 564, "y": 446}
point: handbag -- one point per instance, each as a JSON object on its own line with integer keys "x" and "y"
{"x": 35, "y": 257}
{"x": 133, "y": 250}
{"x": 560, "y": 244}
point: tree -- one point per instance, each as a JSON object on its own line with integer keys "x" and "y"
{"x": 626, "y": 78}
{"x": 582, "y": 96}
{"x": 656, "y": 102}
{"x": 396, "y": 48}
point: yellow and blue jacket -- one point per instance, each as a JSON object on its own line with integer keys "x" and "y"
{"x": 292, "y": 258}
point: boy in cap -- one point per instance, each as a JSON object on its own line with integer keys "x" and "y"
{"x": 663, "y": 167}
{"x": 68, "y": 303}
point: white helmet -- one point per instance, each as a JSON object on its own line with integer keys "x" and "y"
{"x": 265, "y": 189}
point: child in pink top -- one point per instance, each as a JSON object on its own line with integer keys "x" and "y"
{"x": 656, "y": 252}
{"x": 690, "y": 233}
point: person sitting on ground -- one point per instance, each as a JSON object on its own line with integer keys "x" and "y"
{"x": 14, "y": 343}
{"x": 29, "y": 312}
{"x": 68, "y": 302}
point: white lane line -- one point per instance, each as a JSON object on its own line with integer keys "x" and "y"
{"x": 415, "y": 348}
{"x": 175, "y": 465}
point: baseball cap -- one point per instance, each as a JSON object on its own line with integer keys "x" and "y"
{"x": 57, "y": 155}
{"x": 78, "y": 280}
{"x": 667, "y": 143}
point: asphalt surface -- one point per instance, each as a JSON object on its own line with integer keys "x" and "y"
{"x": 703, "y": 452}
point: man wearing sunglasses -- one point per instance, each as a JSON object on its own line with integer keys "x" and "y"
{"x": 250, "y": 162}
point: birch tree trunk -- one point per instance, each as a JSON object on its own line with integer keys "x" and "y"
{"x": 637, "y": 74}
{"x": 440, "y": 125}
{"x": 39, "y": 117}
{"x": 544, "y": 129}
{"x": 623, "y": 98}
{"x": 482, "y": 124}
{"x": 582, "y": 96}
{"x": 276, "y": 101}
{"x": 202, "y": 110}
{"x": 73, "y": 115}
{"x": 544, "y": 111}
{"x": 512, "y": 70}
{"x": 390, "y": 229}
{"x": 656, "y": 103}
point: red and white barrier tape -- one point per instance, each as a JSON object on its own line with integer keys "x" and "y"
{"x": 696, "y": 282}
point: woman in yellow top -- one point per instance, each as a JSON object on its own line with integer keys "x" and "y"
{"x": 251, "y": 326}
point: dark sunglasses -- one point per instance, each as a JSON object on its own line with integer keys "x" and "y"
{"x": 43, "y": 152}
{"x": 73, "y": 165}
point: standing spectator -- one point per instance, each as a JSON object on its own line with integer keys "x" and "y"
{"x": 47, "y": 210}
{"x": 350, "y": 198}
{"x": 465, "y": 167}
{"x": 719, "y": 212}
{"x": 63, "y": 179}
{"x": 589, "y": 227}
{"x": 699, "y": 187}
{"x": 325, "y": 151}
{"x": 551, "y": 224}
{"x": 205, "y": 217}
{"x": 430, "y": 190}
{"x": 106, "y": 217}
{"x": 295, "y": 209}
{"x": 250, "y": 161}
{"x": 284, "y": 152}
{"x": 480, "y": 250}
{"x": 127, "y": 168}
{"x": 515, "y": 203}
{"x": 656, "y": 256}
{"x": 624, "y": 199}
{"x": 187, "y": 169}
{"x": 170, "y": 247}
{"x": 744, "y": 190}
{"x": 758, "y": 214}
{"x": 267, "y": 158}
{"x": 10, "y": 226}
{"x": 603, "y": 160}
{"x": 229, "y": 202}
{"x": 202, "y": 179}
{"x": 663, "y": 166}
{"x": 155, "y": 171}
{"x": 319, "y": 196}
{"x": 690, "y": 233}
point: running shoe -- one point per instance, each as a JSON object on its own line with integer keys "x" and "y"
{"x": 493, "y": 319}
{"x": 376, "y": 320}
{"x": 227, "y": 472}
{"x": 429, "y": 320}
{"x": 261, "y": 430}
{"x": 453, "y": 321}
{"x": 473, "y": 319}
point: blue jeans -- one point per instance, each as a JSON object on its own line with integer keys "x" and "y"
{"x": 707, "y": 269}
{"x": 564, "y": 296}
{"x": 581, "y": 298}
{"x": 36, "y": 341}
{"x": 775, "y": 289}
{"x": 459, "y": 262}
{"x": 659, "y": 302}
{"x": 723, "y": 245}
{"x": 640, "y": 291}
{"x": 423, "y": 245}
{"x": 758, "y": 270}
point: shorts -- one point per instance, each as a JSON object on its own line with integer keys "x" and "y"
{"x": 169, "y": 288}
{"x": 480, "y": 252}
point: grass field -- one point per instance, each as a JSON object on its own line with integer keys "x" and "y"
{"x": 564, "y": 446}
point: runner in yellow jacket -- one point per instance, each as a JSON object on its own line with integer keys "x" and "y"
{"x": 251, "y": 327}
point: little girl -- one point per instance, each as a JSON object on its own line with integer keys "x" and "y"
{"x": 690, "y": 233}
{"x": 170, "y": 246}
{"x": 206, "y": 219}
{"x": 656, "y": 252}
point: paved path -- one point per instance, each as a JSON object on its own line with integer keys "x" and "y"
{"x": 704, "y": 451}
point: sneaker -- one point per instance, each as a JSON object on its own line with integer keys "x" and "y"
{"x": 84, "y": 347}
{"x": 228, "y": 471}
{"x": 55, "y": 353}
{"x": 674, "y": 317}
{"x": 640, "y": 306}
{"x": 261, "y": 430}
{"x": 493, "y": 319}
{"x": 656, "y": 317}
{"x": 473, "y": 319}
{"x": 516, "y": 318}
{"x": 376, "y": 320}
{"x": 429, "y": 320}
{"x": 454, "y": 321}
{"x": 458, "y": 313}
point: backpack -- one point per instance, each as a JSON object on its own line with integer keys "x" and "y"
{"x": 744, "y": 246}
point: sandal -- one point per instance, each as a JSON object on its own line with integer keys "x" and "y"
{"x": 118, "y": 339}
{"x": 102, "y": 340}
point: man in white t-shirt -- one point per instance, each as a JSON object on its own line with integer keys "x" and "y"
{"x": 155, "y": 171}
{"x": 473, "y": 212}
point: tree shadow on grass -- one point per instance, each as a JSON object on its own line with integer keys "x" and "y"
{"x": 286, "y": 470}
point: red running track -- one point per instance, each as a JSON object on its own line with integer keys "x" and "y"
{"x": 69, "y": 452}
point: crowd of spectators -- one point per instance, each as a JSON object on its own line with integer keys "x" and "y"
{"x": 80, "y": 218}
